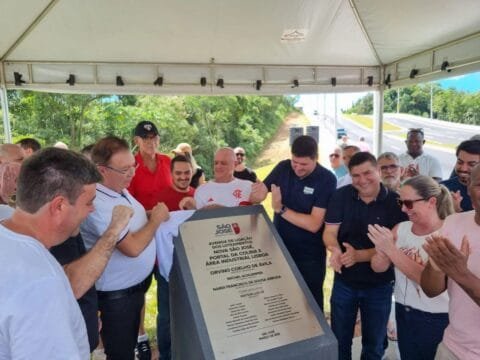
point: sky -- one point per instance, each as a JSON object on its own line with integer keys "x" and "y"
{"x": 311, "y": 102}
{"x": 469, "y": 82}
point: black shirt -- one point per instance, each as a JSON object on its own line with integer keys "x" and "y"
{"x": 353, "y": 215}
{"x": 70, "y": 250}
{"x": 196, "y": 178}
{"x": 301, "y": 195}
{"x": 246, "y": 174}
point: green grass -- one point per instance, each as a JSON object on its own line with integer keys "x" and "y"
{"x": 151, "y": 313}
{"x": 367, "y": 121}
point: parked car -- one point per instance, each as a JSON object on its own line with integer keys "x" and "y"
{"x": 341, "y": 132}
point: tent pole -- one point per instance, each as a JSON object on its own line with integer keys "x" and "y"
{"x": 377, "y": 121}
{"x": 6, "y": 121}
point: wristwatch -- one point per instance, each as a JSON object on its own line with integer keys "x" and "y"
{"x": 282, "y": 210}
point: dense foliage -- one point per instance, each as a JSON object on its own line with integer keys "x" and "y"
{"x": 448, "y": 104}
{"x": 205, "y": 122}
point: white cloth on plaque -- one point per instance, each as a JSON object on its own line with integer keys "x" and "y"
{"x": 164, "y": 239}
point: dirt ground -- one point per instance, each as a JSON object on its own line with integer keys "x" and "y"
{"x": 278, "y": 148}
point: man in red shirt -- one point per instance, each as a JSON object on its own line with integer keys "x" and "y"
{"x": 178, "y": 196}
{"x": 181, "y": 171}
{"x": 153, "y": 172}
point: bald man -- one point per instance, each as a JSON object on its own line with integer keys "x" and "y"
{"x": 225, "y": 189}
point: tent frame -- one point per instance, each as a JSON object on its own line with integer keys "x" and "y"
{"x": 453, "y": 58}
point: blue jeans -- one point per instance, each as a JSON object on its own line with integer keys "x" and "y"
{"x": 313, "y": 272}
{"x": 163, "y": 317}
{"x": 419, "y": 332}
{"x": 374, "y": 304}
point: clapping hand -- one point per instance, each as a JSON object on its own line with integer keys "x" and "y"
{"x": 382, "y": 238}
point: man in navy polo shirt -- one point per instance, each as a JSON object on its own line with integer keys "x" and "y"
{"x": 356, "y": 286}
{"x": 301, "y": 189}
{"x": 468, "y": 155}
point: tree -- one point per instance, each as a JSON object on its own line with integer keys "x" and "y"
{"x": 206, "y": 122}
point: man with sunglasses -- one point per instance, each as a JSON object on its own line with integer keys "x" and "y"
{"x": 453, "y": 265}
{"x": 151, "y": 177}
{"x": 241, "y": 170}
{"x": 468, "y": 156}
{"x": 153, "y": 173}
{"x": 415, "y": 161}
{"x": 336, "y": 163}
{"x": 356, "y": 286}
{"x": 390, "y": 170}
{"x": 347, "y": 153}
{"x": 127, "y": 275}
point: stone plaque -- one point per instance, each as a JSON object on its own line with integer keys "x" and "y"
{"x": 248, "y": 297}
{"x": 247, "y": 291}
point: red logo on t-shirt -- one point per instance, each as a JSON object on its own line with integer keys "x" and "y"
{"x": 210, "y": 200}
{"x": 237, "y": 193}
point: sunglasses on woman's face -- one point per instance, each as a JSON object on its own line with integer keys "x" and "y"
{"x": 408, "y": 203}
{"x": 334, "y": 155}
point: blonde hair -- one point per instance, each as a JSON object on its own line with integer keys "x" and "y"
{"x": 426, "y": 187}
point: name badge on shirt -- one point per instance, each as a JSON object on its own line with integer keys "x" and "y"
{"x": 307, "y": 190}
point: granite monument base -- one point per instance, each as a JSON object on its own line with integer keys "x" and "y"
{"x": 235, "y": 292}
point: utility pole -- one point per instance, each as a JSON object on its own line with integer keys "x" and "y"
{"x": 431, "y": 101}
{"x": 398, "y": 100}
{"x": 335, "y": 127}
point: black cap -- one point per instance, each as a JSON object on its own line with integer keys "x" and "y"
{"x": 145, "y": 128}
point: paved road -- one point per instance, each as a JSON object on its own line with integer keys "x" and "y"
{"x": 434, "y": 130}
{"x": 391, "y": 141}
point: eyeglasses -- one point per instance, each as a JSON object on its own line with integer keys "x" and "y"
{"x": 122, "y": 171}
{"x": 408, "y": 203}
{"x": 334, "y": 155}
{"x": 240, "y": 154}
{"x": 389, "y": 167}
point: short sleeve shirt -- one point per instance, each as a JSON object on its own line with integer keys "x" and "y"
{"x": 302, "y": 195}
{"x": 454, "y": 185}
{"x": 145, "y": 185}
{"x": 172, "y": 197}
{"x": 353, "y": 215}
{"x": 39, "y": 316}
{"x": 461, "y": 334}
{"x": 246, "y": 174}
{"x": 234, "y": 193}
{"x": 121, "y": 271}
{"x": 427, "y": 164}
{"x": 66, "y": 252}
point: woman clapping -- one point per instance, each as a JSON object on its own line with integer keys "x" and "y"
{"x": 420, "y": 320}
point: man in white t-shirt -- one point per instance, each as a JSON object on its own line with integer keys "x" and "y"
{"x": 415, "y": 161}
{"x": 225, "y": 189}
{"x": 39, "y": 316}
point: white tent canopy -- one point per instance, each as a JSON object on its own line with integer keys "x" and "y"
{"x": 252, "y": 46}
{"x": 220, "y": 47}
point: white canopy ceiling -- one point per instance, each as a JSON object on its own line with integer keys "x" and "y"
{"x": 254, "y": 46}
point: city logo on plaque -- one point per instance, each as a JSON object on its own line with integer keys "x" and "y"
{"x": 227, "y": 229}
